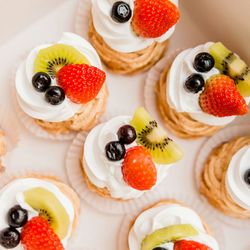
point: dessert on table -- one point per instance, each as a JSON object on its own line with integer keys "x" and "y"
{"x": 132, "y": 35}
{"x": 202, "y": 90}
{"x": 62, "y": 85}
{"x": 169, "y": 225}
{"x": 37, "y": 213}
{"x": 127, "y": 156}
{"x": 225, "y": 179}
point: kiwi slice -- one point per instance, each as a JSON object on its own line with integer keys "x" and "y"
{"x": 230, "y": 64}
{"x": 154, "y": 138}
{"x": 50, "y": 208}
{"x": 51, "y": 59}
{"x": 168, "y": 234}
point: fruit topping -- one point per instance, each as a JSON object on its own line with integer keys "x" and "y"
{"x": 17, "y": 216}
{"x": 247, "y": 177}
{"x": 115, "y": 151}
{"x": 221, "y": 97}
{"x": 41, "y": 81}
{"x": 50, "y": 208}
{"x": 160, "y": 248}
{"x": 51, "y": 59}
{"x": 194, "y": 83}
{"x": 9, "y": 238}
{"x": 203, "y": 62}
{"x": 81, "y": 82}
{"x": 153, "y": 18}
{"x": 154, "y": 138}
{"x": 126, "y": 134}
{"x": 37, "y": 234}
{"x": 168, "y": 234}
{"x": 230, "y": 64}
{"x": 138, "y": 169}
{"x": 55, "y": 95}
{"x": 121, "y": 12}
{"x": 190, "y": 245}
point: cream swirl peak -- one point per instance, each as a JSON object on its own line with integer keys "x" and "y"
{"x": 32, "y": 102}
{"x": 121, "y": 36}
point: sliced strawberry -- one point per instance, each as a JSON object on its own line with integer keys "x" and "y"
{"x": 190, "y": 245}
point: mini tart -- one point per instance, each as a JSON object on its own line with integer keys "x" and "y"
{"x": 179, "y": 123}
{"x": 126, "y": 63}
{"x": 213, "y": 185}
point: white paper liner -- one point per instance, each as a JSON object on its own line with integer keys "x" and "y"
{"x": 104, "y": 205}
{"x": 224, "y": 135}
{"x": 208, "y": 217}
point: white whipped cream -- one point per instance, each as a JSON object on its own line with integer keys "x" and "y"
{"x": 120, "y": 36}
{"x": 105, "y": 173}
{"x": 12, "y": 194}
{"x": 32, "y": 102}
{"x": 236, "y": 186}
{"x": 166, "y": 215}
{"x": 184, "y": 101}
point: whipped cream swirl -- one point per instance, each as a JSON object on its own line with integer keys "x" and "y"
{"x": 184, "y": 101}
{"x": 120, "y": 36}
{"x": 166, "y": 215}
{"x": 104, "y": 173}
{"x": 12, "y": 194}
{"x": 32, "y": 102}
{"x": 238, "y": 189}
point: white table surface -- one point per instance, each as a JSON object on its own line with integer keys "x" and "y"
{"x": 27, "y": 23}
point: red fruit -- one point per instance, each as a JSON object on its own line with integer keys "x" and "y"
{"x": 37, "y": 234}
{"x": 190, "y": 245}
{"x": 222, "y": 98}
{"x": 138, "y": 169}
{"x": 153, "y": 18}
{"x": 81, "y": 82}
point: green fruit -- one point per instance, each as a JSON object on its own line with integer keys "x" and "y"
{"x": 51, "y": 59}
{"x": 154, "y": 138}
{"x": 50, "y": 208}
{"x": 168, "y": 234}
{"x": 230, "y": 64}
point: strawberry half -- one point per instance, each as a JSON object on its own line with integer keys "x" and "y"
{"x": 222, "y": 98}
{"x": 153, "y": 18}
{"x": 190, "y": 245}
{"x": 138, "y": 168}
{"x": 81, "y": 82}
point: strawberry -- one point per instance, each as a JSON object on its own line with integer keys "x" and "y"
{"x": 153, "y": 18}
{"x": 190, "y": 245}
{"x": 222, "y": 98}
{"x": 81, "y": 82}
{"x": 37, "y": 234}
{"x": 138, "y": 168}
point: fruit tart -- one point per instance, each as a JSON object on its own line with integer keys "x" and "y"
{"x": 202, "y": 90}
{"x": 37, "y": 213}
{"x": 131, "y": 36}
{"x": 169, "y": 225}
{"x": 225, "y": 179}
{"x": 127, "y": 156}
{"x": 62, "y": 85}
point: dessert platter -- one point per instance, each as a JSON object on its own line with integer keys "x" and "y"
{"x": 124, "y": 125}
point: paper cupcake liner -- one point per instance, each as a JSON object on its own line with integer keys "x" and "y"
{"x": 82, "y": 18}
{"x": 104, "y": 205}
{"x": 224, "y": 135}
{"x": 208, "y": 217}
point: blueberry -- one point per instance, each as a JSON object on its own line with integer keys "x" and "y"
{"x": 41, "y": 81}
{"x": 17, "y": 216}
{"x": 159, "y": 248}
{"x": 203, "y": 62}
{"x": 115, "y": 151}
{"x": 194, "y": 83}
{"x": 247, "y": 177}
{"x": 121, "y": 12}
{"x": 55, "y": 95}
{"x": 126, "y": 134}
{"x": 9, "y": 238}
